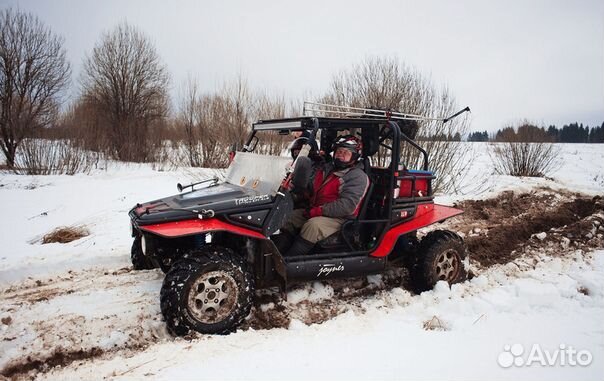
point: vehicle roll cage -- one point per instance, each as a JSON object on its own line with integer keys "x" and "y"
{"x": 352, "y": 118}
{"x": 313, "y": 124}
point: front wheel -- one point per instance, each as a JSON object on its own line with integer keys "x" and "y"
{"x": 442, "y": 255}
{"x": 209, "y": 291}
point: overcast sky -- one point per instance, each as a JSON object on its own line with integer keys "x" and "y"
{"x": 507, "y": 60}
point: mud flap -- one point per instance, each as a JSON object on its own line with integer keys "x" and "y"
{"x": 281, "y": 209}
{"x": 273, "y": 266}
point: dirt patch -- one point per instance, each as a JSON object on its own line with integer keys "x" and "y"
{"x": 32, "y": 365}
{"x": 498, "y": 229}
{"x": 58, "y": 358}
{"x": 583, "y": 290}
{"x": 56, "y": 337}
{"x": 65, "y": 234}
{"x": 272, "y": 311}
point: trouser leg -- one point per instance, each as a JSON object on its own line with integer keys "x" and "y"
{"x": 321, "y": 227}
{"x": 295, "y": 221}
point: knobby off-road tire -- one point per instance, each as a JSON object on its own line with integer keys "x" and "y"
{"x": 138, "y": 258}
{"x": 441, "y": 255}
{"x": 210, "y": 291}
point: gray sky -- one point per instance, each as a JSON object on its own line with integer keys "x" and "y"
{"x": 507, "y": 60}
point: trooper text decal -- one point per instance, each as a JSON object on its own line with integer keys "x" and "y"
{"x": 329, "y": 268}
{"x": 251, "y": 199}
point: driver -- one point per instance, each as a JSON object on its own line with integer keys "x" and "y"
{"x": 337, "y": 191}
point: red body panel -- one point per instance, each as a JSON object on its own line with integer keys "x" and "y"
{"x": 424, "y": 216}
{"x": 188, "y": 227}
{"x": 421, "y": 187}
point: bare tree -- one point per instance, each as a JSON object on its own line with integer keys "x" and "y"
{"x": 214, "y": 123}
{"x": 267, "y": 107}
{"x": 387, "y": 84}
{"x": 33, "y": 72}
{"x": 525, "y": 151}
{"x": 188, "y": 119}
{"x": 239, "y": 103}
{"x": 126, "y": 81}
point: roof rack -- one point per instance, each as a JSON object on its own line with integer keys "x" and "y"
{"x": 312, "y": 108}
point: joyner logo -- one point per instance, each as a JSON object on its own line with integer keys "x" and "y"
{"x": 329, "y": 268}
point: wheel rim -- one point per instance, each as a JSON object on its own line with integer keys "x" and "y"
{"x": 447, "y": 265}
{"x": 213, "y": 296}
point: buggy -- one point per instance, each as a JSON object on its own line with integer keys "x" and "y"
{"x": 215, "y": 240}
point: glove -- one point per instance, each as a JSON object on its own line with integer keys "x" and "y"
{"x": 315, "y": 212}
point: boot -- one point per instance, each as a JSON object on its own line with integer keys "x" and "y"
{"x": 300, "y": 247}
{"x": 283, "y": 240}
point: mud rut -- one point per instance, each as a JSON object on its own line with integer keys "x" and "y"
{"x": 497, "y": 231}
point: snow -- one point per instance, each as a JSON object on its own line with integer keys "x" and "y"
{"x": 386, "y": 341}
{"x": 83, "y": 295}
{"x": 580, "y": 169}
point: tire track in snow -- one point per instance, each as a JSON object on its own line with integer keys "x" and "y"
{"x": 80, "y": 315}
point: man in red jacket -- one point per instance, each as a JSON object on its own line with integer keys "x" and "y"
{"x": 338, "y": 189}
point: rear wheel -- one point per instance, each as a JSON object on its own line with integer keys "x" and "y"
{"x": 139, "y": 260}
{"x": 442, "y": 255}
{"x": 209, "y": 291}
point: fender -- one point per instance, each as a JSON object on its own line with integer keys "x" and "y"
{"x": 425, "y": 215}
{"x": 189, "y": 227}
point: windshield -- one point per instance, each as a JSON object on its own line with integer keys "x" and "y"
{"x": 261, "y": 173}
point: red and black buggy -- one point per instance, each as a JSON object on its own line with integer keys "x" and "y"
{"x": 214, "y": 243}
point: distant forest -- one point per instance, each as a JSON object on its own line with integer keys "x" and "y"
{"x": 571, "y": 133}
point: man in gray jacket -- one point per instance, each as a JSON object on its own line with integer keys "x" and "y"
{"x": 338, "y": 188}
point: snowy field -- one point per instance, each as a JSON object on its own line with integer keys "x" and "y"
{"x": 78, "y": 311}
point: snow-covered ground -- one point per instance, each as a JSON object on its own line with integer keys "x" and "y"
{"x": 81, "y": 306}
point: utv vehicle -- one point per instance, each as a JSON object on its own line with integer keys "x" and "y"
{"x": 216, "y": 242}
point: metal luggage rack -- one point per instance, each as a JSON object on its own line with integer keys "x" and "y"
{"x": 323, "y": 109}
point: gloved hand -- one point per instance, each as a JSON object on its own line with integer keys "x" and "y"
{"x": 315, "y": 212}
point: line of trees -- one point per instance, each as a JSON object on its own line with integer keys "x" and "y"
{"x": 478, "y": 136}
{"x": 122, "y": 109}
{"x": 570, "y": 133}
{"x": 576, "y": 133}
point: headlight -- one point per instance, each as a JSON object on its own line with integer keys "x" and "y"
{"x": 144, "y": 244}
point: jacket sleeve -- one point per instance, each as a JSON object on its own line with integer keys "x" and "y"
{"x": 353, "y": 187}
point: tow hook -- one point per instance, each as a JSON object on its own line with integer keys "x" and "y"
{"x": 205, "y": 214}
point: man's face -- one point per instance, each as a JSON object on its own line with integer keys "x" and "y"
{"x": 343, "y": 154}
